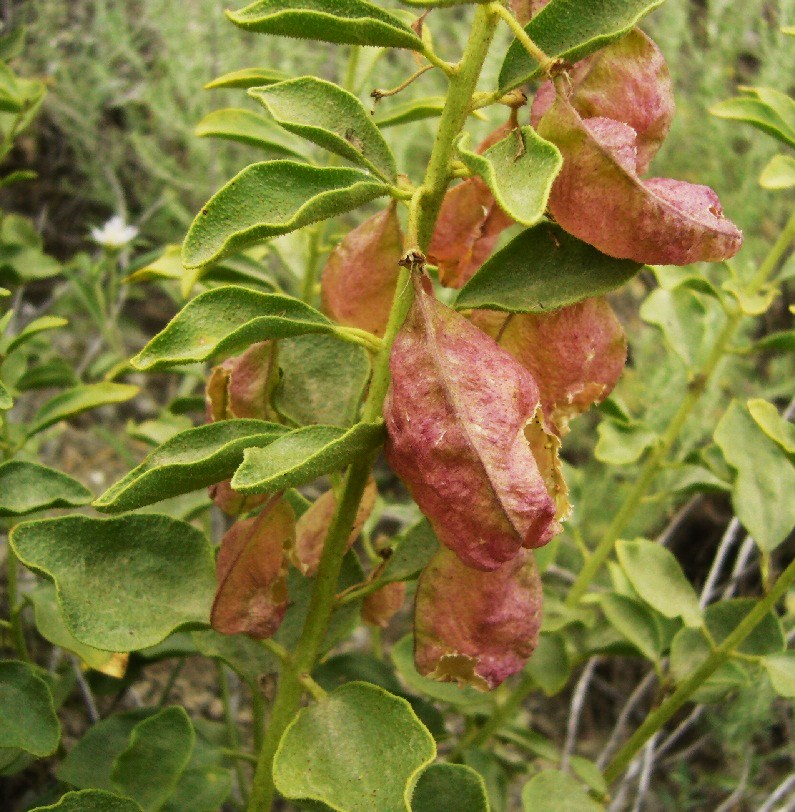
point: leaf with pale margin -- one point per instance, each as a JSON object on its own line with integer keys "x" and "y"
{"x": 80, "y": 399}
{"x": 271, "y": 198}
{"x": 247, "y": 77}
{"x": 408, "y": 112}
{"x": 122, "y": 584}
{"x": 358, "y": 749}
{"x": 226, "y": 320}
{"x": 519, "y": 171}
{"x": 26, "y": 487}
{"x": 555, "y": 791}
{"x": 330, "y": 117}
{"x": 27, "y": 713}
{"x": 765, "y": 481}
{"x": 768, "y": 419}
{"x": 443, "y": 787}
{"x": 304, "y": 455}
{"x": 190, "y": 460}
{"x": 768, "y": 110}
{"x": 543, "y": 269}
{"x": 247, "y": 127}
{"x": 91, "y": 800}
{"x": 346, "y": 22}
{"x": 781, "y": 671}
{"x": 34, "y": 328}
{"x": 779, "y": 173}
{"x": 598, "y": 23}
{"x": 658, "y": 579}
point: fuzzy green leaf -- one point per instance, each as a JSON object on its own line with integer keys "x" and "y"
{"x": 570, "y": 30}
{"x": 91, "y": 800}
{"x": 80, "y": 399}
{"x": 330, "y": 117}
{"x": 122, "y": 584}
{"x": 247, "y": 77}
{"x": 358, "y": 749}
{"x": 411, "y": 552}
{"x": 443, "y": 787}
{"x": 34, "y": 328}
{"x": 543, "y": 269}
{"x": 351, "y": 22}
{"x": 555, "y": 791}
{"x": 622, "y": 443}
{"x": 247, "y": 127}
{"x": 304, "y": 455}
{"x": 271, "y": 198}
{"x": 190, "y": 460}
{"x": 226, "y": 320}
{"x": 27, "y": 713}
{"x": 519, "y": 179}
{"x": 26, "y": 487}
{"x": 679, "y": 314}
{"x": 767, "y": 637}
{"x": 658, "y": 579}
{"x": 391, "y": 115}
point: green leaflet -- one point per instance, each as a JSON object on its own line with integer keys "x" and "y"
{"x": 26, "y": 487}
{"x": 773, "y": 424}
{"x": 550, "y": 666}
{"x": 6, "y": 401}
{"x": 634, "y": 622}
{"x": 122, "y": 584}
{"x": 779, "y": 173}
{"x": 553, "y": 791}
{"x": 190, "y": 460}
{"x": 247, "y": 127}
{"x": 765, "y": 481}
{"x": 247, "y": 77}
{"x": 781, "y": 671}
{"x": 411, "y": 552}
{"x": 303, "y": 455}
{"x": 225, "y": 320}
{"x": 330, "y": 117}
{"x": 768, "y": 110}
{"x": 520, "y": 183}
{"x": 27, "y": 713}
{"x": 543, "y": 269}
{"x": 351, "y": 22}
{"x": 91, "y": 800}
{"x": 622, "y": 443}
{"x": 443, "y": 787}
{"x": 358, "y": 749}
{"x": 391, "y": 115}
{"x": 79, "y": 399}
{"x": 553, "y": 29}
{"x": 55, "y": 373}
{"x": 271, "y": 198}
{"x": 34, "y": 328}
{"x": 680, "y": 315}
{"x": 767, "y": 636}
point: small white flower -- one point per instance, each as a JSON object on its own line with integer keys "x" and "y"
{"x": 115, "y": 233}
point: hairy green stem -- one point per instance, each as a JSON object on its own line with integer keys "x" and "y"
{"x": 659, "y": 454}
{"x": 423, "y": 211}
{"x": 655, "y": 720}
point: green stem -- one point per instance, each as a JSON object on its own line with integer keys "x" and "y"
{"x": 232, "y": 738}
{"x": 655, "y": 720}
{"x": 424, "y": 209}
{"x": 659, "y": 455}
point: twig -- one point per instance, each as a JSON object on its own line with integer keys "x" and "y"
{"x": 736, "y": 796}
{"x": 778, "y": 793}
{"x": 623, "y": 718}
{"x": 85, "y": 690}
{"x": 377, "y": 94}
{"x": 732, "y": 535}
{"x": 646, "y": 771}
{"x": 577, "y": 703}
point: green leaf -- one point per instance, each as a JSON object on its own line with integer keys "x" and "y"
{"x": 34, "y": 328}
{"x": 554, "y": 791}
{"x": 247, "y": 77}
{"x": 549, "y": 666}
{"x": 6, "y": 401}
{"x": 519, "y": 170}
{"x": 190, "y": 460}
{"x": 543, "y": 269}
{"x": 80, "y": 399}
{"x": 444, "y": 787}
{"x": 779, "y": 173}
{"x": 622, "y": 443}
{"x": 766, "y": 638}
{"x": 679, "y": 314}
{"x": 27, "y": 714}
{"x": 247, "y": 127}
{"x": 781, "y": 671}
{"x": 467, "y": 699}
{"x": 159, "y": 749}
{"x": 411, "y": 552}
{"x": 55, "y": 373}
{"x": 122, "y": 584}
{"x": 493, "y": 771}
{"x": 392, "y": 115}
{"x": 323, "y": 380}
{"x": 658, "y": 579}
{"x": 779, "y": 430}
{"x": 347, "y": 22}
{"x": 303, "y": 455}
{"x": 358, "y": 749}
{"x": 26, "y": 487}
{"x": 633, "y": 621}
{"x": 781, "y": 340}
{"x": 91, "y": 800}
{"x": 330, "y": 117}
{"x": 774, "y": 114}
{"x": 762, "y": 492}
{"x": 271, "y": 198}
{"x": 570, "y": 30}
{"x": 225, "y": 320}
{"x": 244, "y": 655}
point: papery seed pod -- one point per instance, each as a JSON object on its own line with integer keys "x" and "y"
{"x": 313, "y": 525}
{"x": 599, "y": 197}
{"x": 575, "y": 354}
{"x": 252, "y": 573}
{"x": 242, "y": 386}
{"x": 627, "y": 81}
{"x": 379, "y": 607}
{"x": 476, "y": 628}
{"x": 462, "y": 418}
{"x": 359, "y": 279}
